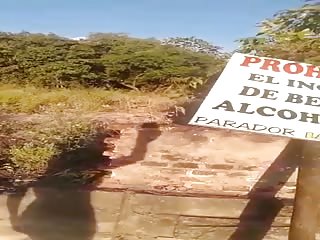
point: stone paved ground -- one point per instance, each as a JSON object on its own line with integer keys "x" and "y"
{"x": 193, "y": 160}
{"x": 204, "y": 184}
{"x": 49, "y": 214}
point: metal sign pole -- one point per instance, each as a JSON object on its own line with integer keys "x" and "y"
{"x": 304, "y": 222}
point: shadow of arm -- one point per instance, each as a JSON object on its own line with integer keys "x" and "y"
{"x": 13, "y": 203}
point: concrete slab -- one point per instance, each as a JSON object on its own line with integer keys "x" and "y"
{"x": 200, "y": 160}
{"x": 56, "y": 214}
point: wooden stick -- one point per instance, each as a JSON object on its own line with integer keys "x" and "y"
{"x": 304, "y": 221}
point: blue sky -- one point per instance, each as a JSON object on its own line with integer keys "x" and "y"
{"x": 219, "y": 22}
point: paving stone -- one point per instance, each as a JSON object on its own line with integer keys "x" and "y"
{"x": 225, "y": 233}
{"x": 232, "y": 158}
{"x": 147, "y": 225}
{"x": 192, "y": 206}
{"x": 229, "y": 222}
{"x": 129, "y": 216}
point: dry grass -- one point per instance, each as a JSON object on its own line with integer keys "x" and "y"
{"x": 17, "y": 99}
{"x": 62, "y": 133}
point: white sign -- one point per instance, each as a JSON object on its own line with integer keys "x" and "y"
{"x": 264, "y": 95}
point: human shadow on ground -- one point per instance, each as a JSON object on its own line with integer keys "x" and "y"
{"x": 63, "y": 211}
{"x": 61, "y": 208}
{"x": 263, "y": 207}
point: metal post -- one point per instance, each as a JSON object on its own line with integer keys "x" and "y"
{"x": 304, "y": 221}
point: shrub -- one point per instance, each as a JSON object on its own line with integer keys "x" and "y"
{"x": 35, "y": 150}
{"x": 107, "y": 61}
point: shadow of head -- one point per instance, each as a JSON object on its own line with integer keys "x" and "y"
{"x": 153, "y": 125}
{"x": 148, "y": 132}
{"x": 183, "y": 114}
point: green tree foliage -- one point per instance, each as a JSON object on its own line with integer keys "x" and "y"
{"x": 291, "y": 34}
{"x": 295, "y": 20}
{"x": 102, "y": 60}
{"x": 193, "y": 44}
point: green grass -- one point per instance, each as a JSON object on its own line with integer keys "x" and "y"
{"x": 30, "y": 158}
{"x": 17, "y": 99}
{"x": 31, "y": 149}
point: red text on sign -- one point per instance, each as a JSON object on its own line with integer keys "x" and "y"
{"x": 278, "y": 66}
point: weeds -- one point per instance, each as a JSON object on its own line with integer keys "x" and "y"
{"x": 14, "y": 99}
{"x": 31, "y": 158}
{"x": 34, "y": 150}
{"x": 49, "y": 147}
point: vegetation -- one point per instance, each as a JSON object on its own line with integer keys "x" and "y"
{"x": 103, "y": 60}
{"x": 194, "y": 44}
{"x": 30, "y": 99}
{"x": 291, "y": 34}
{"x": 50, "y": 74}
{"x": 33, "y": 150}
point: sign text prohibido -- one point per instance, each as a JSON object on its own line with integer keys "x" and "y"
{"x": 264, "y": 95}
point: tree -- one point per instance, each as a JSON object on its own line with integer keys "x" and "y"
{"x": 290, "y": 34}
{"x": 194, "y": 44}
{"x": 297, "y": 20}
{"x": 103, "y": 60}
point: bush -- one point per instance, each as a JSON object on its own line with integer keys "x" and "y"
{"x": 35, "y": 150}
{"x": 106, "y": 61}
{"x": 30, "y": 158}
